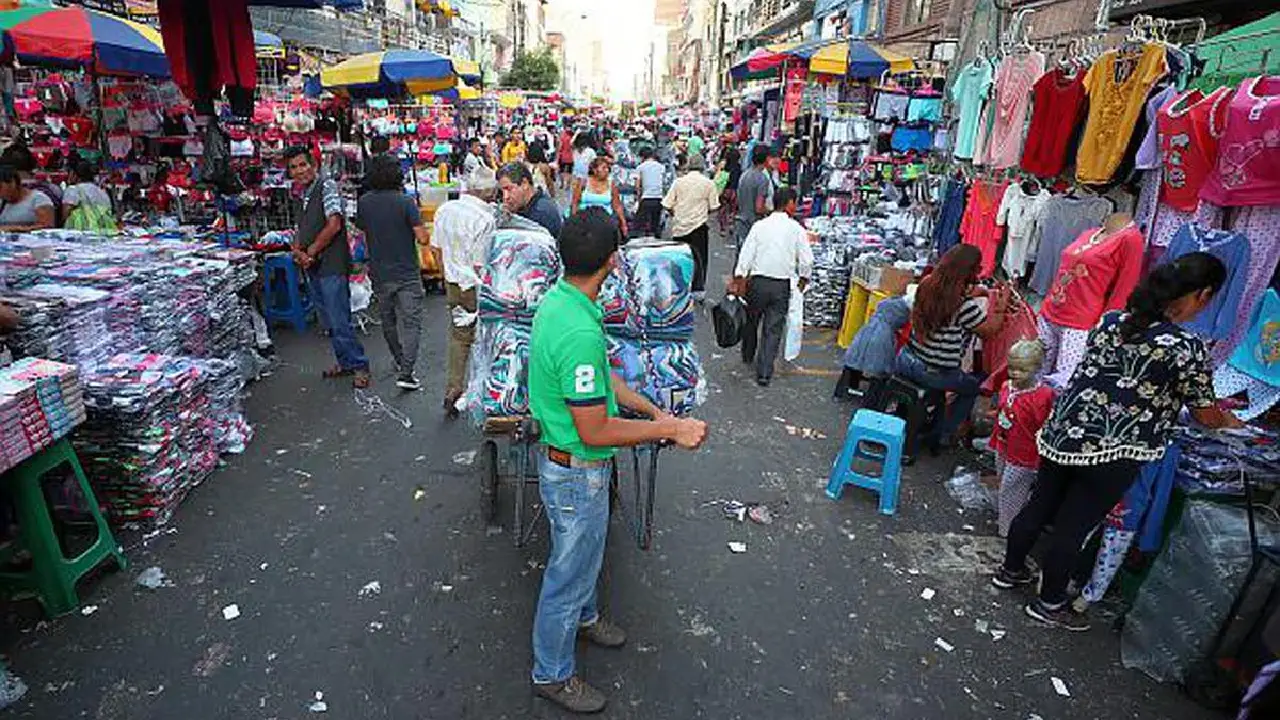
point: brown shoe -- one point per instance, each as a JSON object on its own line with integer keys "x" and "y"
{"x": 603, "y": 633}
{"x": 574, "y": 695}
{"x": 451, "y": 406}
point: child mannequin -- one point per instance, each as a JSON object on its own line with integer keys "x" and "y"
{"x": 1023, "y": 407}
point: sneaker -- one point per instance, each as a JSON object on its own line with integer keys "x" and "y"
{"x": 408, "y": 382}
{"x": 762, "y": 381}
{"x": 603, "y": 633}
{"x": 574, "y": 695}
{"x": 1060, "y": 617}
{"x": 1006, "y": 580}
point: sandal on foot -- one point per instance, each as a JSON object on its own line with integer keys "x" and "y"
{"x": 362, "y": 379}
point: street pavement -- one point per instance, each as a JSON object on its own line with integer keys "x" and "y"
{"x": 821, "y": 617}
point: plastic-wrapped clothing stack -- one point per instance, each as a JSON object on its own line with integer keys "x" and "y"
{"x": 150, "y": 437}
{"x": 649, "y": 317}
{"x": 1186, "y": 596}
{"x": 841, "y": 242}
{"x": 1209, "y": 465}
{"x": 40, "y": 402}
{"x": 521, "y": 266}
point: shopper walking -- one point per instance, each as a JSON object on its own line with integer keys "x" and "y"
{"x": 462, "y": 231}
{"x": 775, "y": 253}
{"x": 1118, "y": 411}
{"x": 649, "y": 189}
{"x": 583, "y": 153}
{"x": 564, "y": 154}
{"x": 393, "y": 230}
{"x": 520, "y": 196}
{"x": 515, "y": 150}
{"x": 691, "y": 200}
{"x": 575, "y": 399}
{"x": 600, "y": 191}
{"x": 950, "y": 308}
{"x": 320, "y": 248}
{"x": 474, "y": 160}
{"x": 755, "y": 190}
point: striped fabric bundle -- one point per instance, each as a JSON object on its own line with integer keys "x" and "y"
{"x": 521, "y": 267}
{"x": 662, "y": 304}
{"x": 668, "y": 373}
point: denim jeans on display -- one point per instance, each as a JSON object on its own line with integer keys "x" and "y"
{"x": 577, "y": 505}
{"x": 964, "y": 385}
{"x": 331, "y": 296}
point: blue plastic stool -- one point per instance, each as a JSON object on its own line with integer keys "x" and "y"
{"x": 874, "y": 428}
{"x": 283, "y": 295}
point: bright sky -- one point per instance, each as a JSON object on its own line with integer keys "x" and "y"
{"x": 625, "y": 28}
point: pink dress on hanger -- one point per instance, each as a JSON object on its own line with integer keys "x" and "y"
{"x": 1015, "y": 77}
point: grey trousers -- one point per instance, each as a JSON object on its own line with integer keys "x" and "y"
{"x": 400, "y": 308}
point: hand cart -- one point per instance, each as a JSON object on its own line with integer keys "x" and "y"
{"x": 521, "y": 436}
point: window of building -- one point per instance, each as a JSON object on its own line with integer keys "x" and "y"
{"x": 917, "y": 12}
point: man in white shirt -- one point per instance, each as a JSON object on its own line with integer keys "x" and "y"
{"x": 473, "y": 161}
{"x": 649, "y": 189}
{"x": 463, "y": 229}
{"x": 775, "y": 253}
{"x": 691, "y": 199}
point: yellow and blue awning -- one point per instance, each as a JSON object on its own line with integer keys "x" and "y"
{"x": 844, "y": 57}
{"x": 398, "y": 73}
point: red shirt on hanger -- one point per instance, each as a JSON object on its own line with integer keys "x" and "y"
{"x": 978, "y": 225}
{"x": 1096, "y": 276}
{"x": 1058, "y": 109}
{"x": 1188, "y": 128}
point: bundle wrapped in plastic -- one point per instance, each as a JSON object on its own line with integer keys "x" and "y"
{"x": 1190, "y": 588}
{"x": 521, "y": 267}
{"x": 498, "y": 373}
{"x": 659, "y": 305}
{"x": 668, "y": 373}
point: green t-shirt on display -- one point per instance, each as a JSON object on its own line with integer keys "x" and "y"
{"x": 569, "y": 365}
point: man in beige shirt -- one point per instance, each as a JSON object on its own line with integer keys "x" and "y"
{"x": 691, "y": 200}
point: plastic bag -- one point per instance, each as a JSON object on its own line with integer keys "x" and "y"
{"x": 795, "y": 325}
{"x": 361, "y": 292}
{"x": 965, "y": 486}
{"x": 1190, "y": 588}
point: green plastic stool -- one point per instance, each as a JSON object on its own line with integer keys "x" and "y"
{"x": 53, "y": 576}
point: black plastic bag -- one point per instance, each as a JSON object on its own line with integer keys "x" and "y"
{"x": 728, "y": 316}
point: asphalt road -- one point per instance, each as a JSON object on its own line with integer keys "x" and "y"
{"x": 821, "y": 617}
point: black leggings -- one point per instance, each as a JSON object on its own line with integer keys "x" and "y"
{"x": 1075, "y": 499}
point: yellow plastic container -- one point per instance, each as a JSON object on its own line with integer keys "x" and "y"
{"x": 855, "y": 314}
{"x": 876, "y": 297}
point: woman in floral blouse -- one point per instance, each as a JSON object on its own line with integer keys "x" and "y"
{"x": 1116, "y": 413}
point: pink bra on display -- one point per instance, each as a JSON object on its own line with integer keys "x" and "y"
{"x": 1248, "y": 168}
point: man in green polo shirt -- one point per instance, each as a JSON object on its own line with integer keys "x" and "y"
{"x": 575, "y": 399}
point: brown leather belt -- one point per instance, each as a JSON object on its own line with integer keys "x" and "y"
{"x": 566, "y": 459}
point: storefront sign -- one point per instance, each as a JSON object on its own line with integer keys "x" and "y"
{"x": 794, "y": 93}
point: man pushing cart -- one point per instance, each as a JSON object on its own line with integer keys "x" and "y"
{"x": 575, "y": 398}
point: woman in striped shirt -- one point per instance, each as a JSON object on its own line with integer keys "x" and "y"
{"x": 950, "y": 308}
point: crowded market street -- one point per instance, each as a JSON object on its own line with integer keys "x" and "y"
{"x": 822, "y": 616}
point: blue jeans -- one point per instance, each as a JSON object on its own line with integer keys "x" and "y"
{"x": 954, "y": 380}
{"x": 577, "y": 504}
{"x": 331, "y": 296}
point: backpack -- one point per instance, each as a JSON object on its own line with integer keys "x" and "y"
{"x": 88, "y": 216}
{"x": 728, "y": 316}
